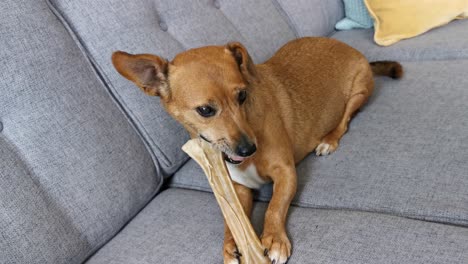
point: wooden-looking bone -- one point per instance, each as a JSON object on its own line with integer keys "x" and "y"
{"x": 213, "y": 165}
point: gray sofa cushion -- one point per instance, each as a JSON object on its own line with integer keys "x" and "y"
{"x": 72, "y": 169}
{"x": 101, "y": 27}
{"x": 404, "y": 154}
{"x": 169, "y": 27}
{"x": 312, "y": 17}
{"x": 183, "y": 226}
{"x": 443, "y": 43}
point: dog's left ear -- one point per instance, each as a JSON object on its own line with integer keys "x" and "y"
{"x": 243, "y": 59}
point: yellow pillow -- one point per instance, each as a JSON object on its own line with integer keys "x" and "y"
{"x": 400, "y": 19}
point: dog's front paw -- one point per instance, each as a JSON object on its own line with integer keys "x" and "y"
{"x": 277, "y": 246}
{"x": 325, "y": 149}
{"x": 230, "y": 253}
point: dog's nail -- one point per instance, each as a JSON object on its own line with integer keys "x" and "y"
{"x": 237, "y": 254}
{"x": 265, "y": 252}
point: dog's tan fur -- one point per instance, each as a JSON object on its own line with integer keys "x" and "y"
{"x": 298, "y": 101}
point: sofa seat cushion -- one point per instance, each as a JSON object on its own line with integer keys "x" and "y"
{"x": 185, "y": 226}
{"x": 404, "y": 154}
{"x": 443, "y": 43}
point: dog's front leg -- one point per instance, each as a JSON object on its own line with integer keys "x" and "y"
{"x": 230, "y": 252}
{"x": 274, "y": 237}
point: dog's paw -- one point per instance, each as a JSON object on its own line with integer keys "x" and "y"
{"x": 231, "y": 254}
{"x": 324, "y": 149}
{"x": 231, "y": 261}
{"x": 277, "y": 247}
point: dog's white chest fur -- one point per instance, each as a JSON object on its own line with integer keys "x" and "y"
{"x": 248, "y": 177}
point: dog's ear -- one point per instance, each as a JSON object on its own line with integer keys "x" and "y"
{"x": 243, "y": 59}
{"x": 149, "y": 72}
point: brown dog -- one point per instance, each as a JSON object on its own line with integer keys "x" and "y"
{"x": 299, "y": 101}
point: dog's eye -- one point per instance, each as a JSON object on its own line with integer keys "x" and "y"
{"x": 206, "y": 111}
{"x": 242, "y": 96}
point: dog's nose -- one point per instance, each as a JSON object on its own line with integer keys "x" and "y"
{"x": 245, "y": 148}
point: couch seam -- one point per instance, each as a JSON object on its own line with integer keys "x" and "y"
{"x": 292, "y": 25}
{"x": 233, "y": 25}
{"x": 262, "y": 198}
{"x": 416, "y": 217}
{"x": 131, "y": 118}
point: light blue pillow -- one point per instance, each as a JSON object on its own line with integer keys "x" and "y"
{"x": 357, "y": 16}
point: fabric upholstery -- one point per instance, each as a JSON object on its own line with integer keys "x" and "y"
{"x": 136, "y": 30}
{"x": 397, "y": 20}
{"x": 312, "y": 17}
{"x": 183, "y": 226}
{"x": 404, "y": 154}
{"x": 72, "y": 169}
{"x": 443, "y": 43}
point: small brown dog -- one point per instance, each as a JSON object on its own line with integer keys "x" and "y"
{"x": 265, "y": 118}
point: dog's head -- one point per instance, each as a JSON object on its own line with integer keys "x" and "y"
{"x": 206, "y": 89}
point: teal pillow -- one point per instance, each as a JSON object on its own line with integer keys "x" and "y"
{"x": 357, "y": 16}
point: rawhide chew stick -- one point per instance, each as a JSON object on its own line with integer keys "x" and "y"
{"x": 213, "y": 165}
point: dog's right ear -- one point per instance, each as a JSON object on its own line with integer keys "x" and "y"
{"x": 149, "y": 72}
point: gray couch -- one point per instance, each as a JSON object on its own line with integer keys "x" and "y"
{"x": 91, "y": 169}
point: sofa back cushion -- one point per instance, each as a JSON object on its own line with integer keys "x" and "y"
{"x": 312, "y": 17}
{"x": 73, "y": 171}
{"x": 166, "y": 28}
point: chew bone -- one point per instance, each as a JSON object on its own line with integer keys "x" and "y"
{"x": 213, "y": 165}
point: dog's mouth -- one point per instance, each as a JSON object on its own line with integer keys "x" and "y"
{"x": 233, "y": 159}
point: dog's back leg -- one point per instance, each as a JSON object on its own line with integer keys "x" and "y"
{"x": 361, "y": 89}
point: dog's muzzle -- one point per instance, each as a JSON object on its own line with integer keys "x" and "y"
{"x": 244, "y": 149}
